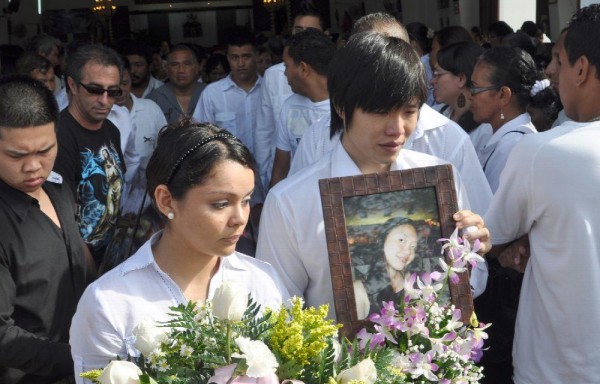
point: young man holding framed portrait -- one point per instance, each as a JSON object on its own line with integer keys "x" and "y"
{"x": 376, "y": 86}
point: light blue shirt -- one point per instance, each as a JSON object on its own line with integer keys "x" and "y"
{"x": 227, "y": 105}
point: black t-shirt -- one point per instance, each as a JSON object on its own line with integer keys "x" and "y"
{"x": 42, "y": 277}
{"x": 91, "y": 163}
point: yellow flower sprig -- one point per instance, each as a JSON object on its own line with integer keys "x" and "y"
{"x": 300, "y": 335}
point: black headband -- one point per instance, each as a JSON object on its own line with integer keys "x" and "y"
{"x": 192, "y": 149}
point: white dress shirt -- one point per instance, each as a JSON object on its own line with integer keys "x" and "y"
{"x": 227, "y": 105}
{"x": 549, "y": 190}
{"x": 147, "y": 119}
{"x": 275, "y": 89}
{"x": 112, "y": 306}
{"x": 297, "y": 115}
{"x": 495, "y": 151}
{"x": 435, "y": 135}
{"x": 292, "y": 231}
{"x": 153, "y": 83}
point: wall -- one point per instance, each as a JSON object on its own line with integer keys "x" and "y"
{"x": 559, "y": 14}
{"x": 515, "y": 12}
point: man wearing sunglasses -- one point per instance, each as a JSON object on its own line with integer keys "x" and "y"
{"x": 90, "y": 159}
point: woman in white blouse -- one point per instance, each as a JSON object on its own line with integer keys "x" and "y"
{"x": 201, "y": 179}
{"x": 500, "y": 91}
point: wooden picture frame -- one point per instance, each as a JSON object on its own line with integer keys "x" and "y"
{"x": 360, "y": 213}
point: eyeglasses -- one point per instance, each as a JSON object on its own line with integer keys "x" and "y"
{"x": 438, "y": 74}
{"x": 95, "y": 90}
{"x": 476, "y": 90}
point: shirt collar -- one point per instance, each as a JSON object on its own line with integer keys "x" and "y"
{"x": 513, "y": 125}
{"x": 228, "y": 83}
{"x": 342, "y": 164}
{"x": 429, "y": 118}
{"x": 18, "y": 201}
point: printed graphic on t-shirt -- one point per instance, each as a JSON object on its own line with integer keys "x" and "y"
{"x": 99, "y": 193}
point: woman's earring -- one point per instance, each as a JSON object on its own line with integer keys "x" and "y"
{"x": 461, "y": 101}
{"x": 171, "y": 215}
{"x": 501, "y": 115}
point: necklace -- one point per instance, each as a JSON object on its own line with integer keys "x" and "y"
{"x": 180, "y": 106}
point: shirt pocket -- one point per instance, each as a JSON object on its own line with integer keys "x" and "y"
{"x": 226, "y": 120}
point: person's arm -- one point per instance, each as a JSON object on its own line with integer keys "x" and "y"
{"x": 281, "y": 166}
{"x": 264, "y": 134}
{"x": 513, "y": 255}
{"x": 278, "y": 245}
{"x": 93, "y": 338}
{"x": 20, "y": 348}
{"x": 204, "y": 112}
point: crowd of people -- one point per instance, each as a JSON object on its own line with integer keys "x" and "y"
{"x": 134, "y": 179}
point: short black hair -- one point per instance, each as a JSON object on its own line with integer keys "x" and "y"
{"x": 499, "y": 29}
{"x": 452, "y": 34}
{"x": 583, "y": 36}
{"x": 418, "y": 32}
{"x": 215, "y": 60}
{"x": 239, "y": 37}
{"x": 41, "y": 43}
{"x": 520, "y": 40}
{"x": 307, "y": 8}
{"x": 91, "y": 53}
{"x": 376, "y": 73}
{"x": 183, "y": 48}
{"x": 138, "y": 48}
{"x": 30, "y": 61}
{"x": 460, "y": 58}
{"x": 371, "y": 21}
{"x": 25, "y": 102}
{"x": 193, "y": 169}
{"x": 513, "y": 68}
{"x": 312, "y": 47}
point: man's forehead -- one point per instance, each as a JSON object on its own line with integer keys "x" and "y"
{"x": 307, "y": 21}
{"x": 136, "y": 58}
{"x": 181, "y": 55}
{"x": 246, "y": 48}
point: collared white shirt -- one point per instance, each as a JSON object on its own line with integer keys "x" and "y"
{"x": 227, "y": 105}
{"x": 275, "y": 89}
{"x": 147, "y": 119}
{"x": 292, "y": 231}
{"x": 435, "y": 135}
{"x": 495, "y": 151}
{"x": 112, "y": 306}
{"x": 297, "y": 115}
{"x": 549, "y": 191}
{"x": 560, "y": 119}
{"x": 153, "y": 83}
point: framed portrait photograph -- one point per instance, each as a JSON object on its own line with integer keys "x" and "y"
{"x": 381, "y": 227}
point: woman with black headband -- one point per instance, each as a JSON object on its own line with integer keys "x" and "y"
{"x": 201, "y": 179}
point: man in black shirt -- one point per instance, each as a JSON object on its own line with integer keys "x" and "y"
{"x": 89, "y": 157}
{"x": 42, "y": 263}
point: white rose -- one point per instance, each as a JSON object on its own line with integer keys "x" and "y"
{"x": 120, "y": 372}
{"x": 259, "y": 358}
{"x": 148, "y": 336}
{"x": 230, "y": 301}
{"x": 364, "y": 371}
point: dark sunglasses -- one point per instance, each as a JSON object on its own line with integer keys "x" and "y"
{"x": 94, "y": 90}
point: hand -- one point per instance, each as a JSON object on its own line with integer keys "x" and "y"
{"x": 473, "y": 228}
{"x": 516, "y": 255}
